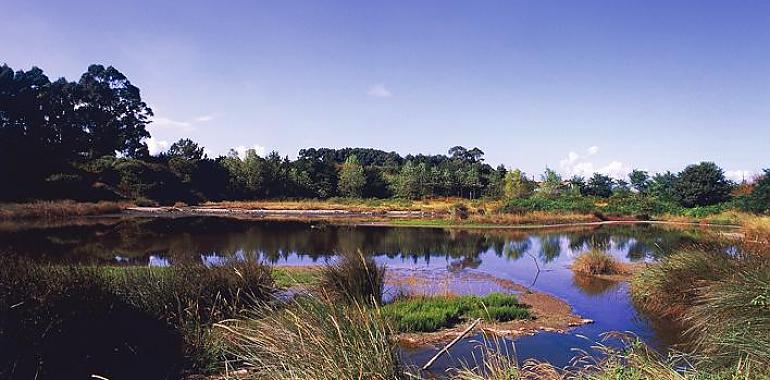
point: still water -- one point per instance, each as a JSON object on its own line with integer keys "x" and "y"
{"x": 535, "y": 258}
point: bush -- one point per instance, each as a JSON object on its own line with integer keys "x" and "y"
{"x": 458, "y": 211}
{"x": 703, "y": 184}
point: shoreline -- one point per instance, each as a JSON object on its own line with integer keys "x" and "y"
{"x": 390, "y": 218}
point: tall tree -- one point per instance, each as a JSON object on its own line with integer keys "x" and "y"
{"x": 112, "y": 111}
{"x": 550, "y": 182}
{"x": 662, "y": 185}
{"x": 517, "y": 185}
{"x": 599, "y": 185}
{"x": 640, "y": 181}
{"x": 702, "y": 184}
{"x": 352, "y": 179}
{"x": 185, "y": 148}
{"x": 759, "y": 199}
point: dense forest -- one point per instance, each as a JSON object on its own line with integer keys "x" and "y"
{"x": 86, "y": 141}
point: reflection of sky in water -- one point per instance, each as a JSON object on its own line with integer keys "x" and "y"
{"x": 157, "y": 261}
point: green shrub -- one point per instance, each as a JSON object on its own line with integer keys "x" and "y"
{"x": 539, "y": 203}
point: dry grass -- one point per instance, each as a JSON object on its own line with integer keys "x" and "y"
{"x": 58, "y": 209}
{"x": 756, "y": 228}
{"x": 598, "y": 263}
{"x": 314, "y": 339}
{"x": 534, "y": 217}
{"x": 353, "y": 204}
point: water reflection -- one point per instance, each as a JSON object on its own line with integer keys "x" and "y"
{"x": 537, "y": 258}
{"x": 206, "y": 240}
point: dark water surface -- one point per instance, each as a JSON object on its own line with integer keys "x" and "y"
{"x": 536, "y": 258}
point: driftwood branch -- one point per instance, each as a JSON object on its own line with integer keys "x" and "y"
{"x": 452, "y": 343}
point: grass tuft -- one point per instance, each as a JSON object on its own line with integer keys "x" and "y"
{"x": 316, "y": 339}
{"x": 427, "y": 314}
{"x": 597, "y": 262}
{"x": 354, "y": 278}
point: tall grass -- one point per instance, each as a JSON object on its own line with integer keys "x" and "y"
{"x": 670, "y": 287}
{"x": 730, "y": 320}
{"x": 633, "y": 361}
{"x": 354, "y": 278}
{"x": 597, "y": 262}
{"x": 314, "y": 339}
{"x": 57, "y": 209}
{"x": 73, "y": 321}
{"x": 723, "y": 297}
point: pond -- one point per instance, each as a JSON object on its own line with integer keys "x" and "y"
{"x": 536, "y": 258}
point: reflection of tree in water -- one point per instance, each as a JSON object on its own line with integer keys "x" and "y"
{"x": 516, "y": 248}
{"x": 550, "y": 247}
{"x": 187, "y": 239}
{"x": 591, "y": 285}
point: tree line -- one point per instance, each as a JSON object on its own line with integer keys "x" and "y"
{"x": 86, "y": 140}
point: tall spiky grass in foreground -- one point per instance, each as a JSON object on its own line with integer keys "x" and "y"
{"x": 722, "y": 296}
{"x": 314, "y": 339}
{"x": 79, "y": 315}
{"x": 730, "y": 320}
{"x": 633, "y": 361}
{"x": 354, "y": 278}
{"x": 670, "y": 287}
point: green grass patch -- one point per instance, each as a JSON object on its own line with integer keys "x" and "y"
{"x": 286, "y": 277}
{"x": 427, "y": 314}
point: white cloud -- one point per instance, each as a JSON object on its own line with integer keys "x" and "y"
{"x": 209, "y": 152}
{"x": 576, "y": 164}
{"x": 156, "y": 146}
{"x": 379, "y": 91}
{"x": 204, "y": 118}
{"x": 179, "y": 125}
{"x": 259, "y": 149}
{"x": 739, "y": 176}
{"x": 166, "y": 123}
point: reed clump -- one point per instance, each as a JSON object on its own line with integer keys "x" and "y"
{"x": 314, "y": 338}
{"x": 597, "y": 262}
{"x": 721, "y": 296}
{"x": 73, "y": 321}
{"x": 354, "y": 278}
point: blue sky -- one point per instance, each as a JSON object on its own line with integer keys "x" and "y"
{"x": 579, "y": 86}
